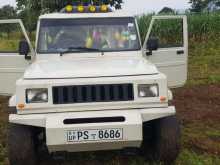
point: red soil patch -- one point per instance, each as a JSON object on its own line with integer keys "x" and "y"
{"x": 199, "y": 103}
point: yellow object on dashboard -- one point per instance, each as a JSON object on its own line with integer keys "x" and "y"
{"x": 89, "y": 42}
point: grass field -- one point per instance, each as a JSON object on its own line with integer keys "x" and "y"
{"x": 198, "y": 105}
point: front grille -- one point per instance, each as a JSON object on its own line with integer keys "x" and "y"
{"x": 92, "y": 93}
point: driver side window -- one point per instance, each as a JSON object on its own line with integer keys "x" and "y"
{"x": 10, "y": 36}
{"x": 168, "y": 32}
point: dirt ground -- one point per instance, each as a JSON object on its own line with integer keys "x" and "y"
{"x": 198, "y": 109}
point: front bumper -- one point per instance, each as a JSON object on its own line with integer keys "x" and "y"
{"x": 56, "y": 130}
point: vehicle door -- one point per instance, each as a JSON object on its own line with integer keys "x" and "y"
{"x": 12, "y": 63}
{"x": 166, "y": 45}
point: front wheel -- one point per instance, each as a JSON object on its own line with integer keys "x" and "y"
{"x": 21, "y": 147}
{"x": 164, "y": 143}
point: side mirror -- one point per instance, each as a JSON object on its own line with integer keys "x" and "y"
{"x": 152, "y": 44}
{"x": 24, "y": 49}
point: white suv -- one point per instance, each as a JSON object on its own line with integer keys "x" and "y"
{"x": 90, "y": 85}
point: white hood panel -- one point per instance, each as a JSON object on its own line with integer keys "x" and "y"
{"x": 89, "y": 67}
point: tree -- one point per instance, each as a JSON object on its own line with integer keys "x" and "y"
{"x": 213, "y": 6}
{"x": 30, "y": 10}
{"x": 7, "y": 12}
{"x": 200, "y": 5}
{"x": 167, "y": 10}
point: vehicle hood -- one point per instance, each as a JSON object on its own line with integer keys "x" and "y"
{"x": 87, "y": 68}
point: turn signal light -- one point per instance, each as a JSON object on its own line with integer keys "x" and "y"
{"x": 163, "y": 99}
{"x": 21, "y": 106}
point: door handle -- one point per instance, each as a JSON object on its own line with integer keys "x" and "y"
{"x": 180, "y": 52}
{"x": 149, "y": 53}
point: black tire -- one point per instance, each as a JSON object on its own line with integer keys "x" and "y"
{"x": 164, "y": 144}
{"x": 21, "y": 147}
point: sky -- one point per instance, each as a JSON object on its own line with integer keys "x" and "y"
{"x": 146, "y": 6}
{"x": 139, "y": 6}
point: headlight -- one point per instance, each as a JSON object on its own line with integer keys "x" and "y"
{"x": 148, "y": 90}
{"x": 36, "y": 95}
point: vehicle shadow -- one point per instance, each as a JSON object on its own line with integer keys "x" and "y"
{"x": 94, "y": 158}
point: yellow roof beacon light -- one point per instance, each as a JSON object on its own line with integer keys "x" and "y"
{"x": 69, "y": 8}
{"x": 80, "y": 8}
{"x": 104, "y": 8}
{"x": 92, "y": 8}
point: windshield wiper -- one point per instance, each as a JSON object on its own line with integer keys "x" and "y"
{"x": 74, "y": 49}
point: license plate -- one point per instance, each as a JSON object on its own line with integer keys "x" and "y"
{"x": 94, "y": 135}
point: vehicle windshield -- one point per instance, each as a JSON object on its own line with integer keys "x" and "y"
{"x": 101, "y": 34}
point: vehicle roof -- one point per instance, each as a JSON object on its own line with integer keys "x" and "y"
{"x": 85, "y": 15}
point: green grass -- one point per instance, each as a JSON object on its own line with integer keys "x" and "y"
{"x": 9, "y": 45}
{"x": 188, "y": 157}
{"x": 204, "y": 62}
